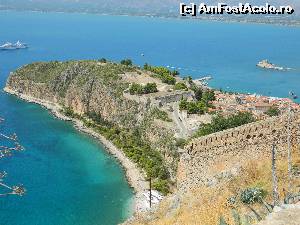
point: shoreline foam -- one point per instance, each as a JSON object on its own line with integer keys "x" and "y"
{"x": 133, "y": 174}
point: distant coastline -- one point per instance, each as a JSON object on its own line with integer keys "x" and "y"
{"x": 295, "y": 22}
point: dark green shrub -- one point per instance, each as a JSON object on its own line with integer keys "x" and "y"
{"x": 180, "y": 86}
{"x": 198, "y": 107}
{"x": 162, "y": 115}
{"x": 103, "y": 60}
{"x": 136, "y": 89}
{"x": 162, "y": 186}
{"x": 126, "y": 62}
{"x": 140, "y": 89}
{"x": 180, "y": 142}
{"x": 68, "y": 111}
{"x": 198, "y": 93}
{"x": 150, "y": 88}
{"x": 208, "y": 96}
{"x": 252, "y": 195}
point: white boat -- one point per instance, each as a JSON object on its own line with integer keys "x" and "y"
{"x": 11, "y": 46}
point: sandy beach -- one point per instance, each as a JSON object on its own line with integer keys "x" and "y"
{"x": 134, "y": 175}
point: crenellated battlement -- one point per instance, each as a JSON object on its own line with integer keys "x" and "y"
{"x": 230, "y": 148}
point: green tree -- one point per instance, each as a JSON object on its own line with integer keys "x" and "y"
{"x": 220, "y": 123}
{"x": 162, "y": 186}
{"x": 162, "y": 73}
{"x": 168, "y": 79}
{"x": 150, "y": 88}
{"x": 198, "y": 107}
{"x": 126, "y": 62}
{"x": 198, "y": 93}
{"x": 175, "y": 73}
{"x": 208, "y": 96}
{"x": 103, "y": 60}
{"x": 140, "y": 89}
{"x": 183, "y": 104}
{"x": 146, "y": 66}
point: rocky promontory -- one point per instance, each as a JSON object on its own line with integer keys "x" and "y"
{"x": 91, "y": 93}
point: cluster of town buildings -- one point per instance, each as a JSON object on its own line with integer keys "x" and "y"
{"x": 256, "y": 104}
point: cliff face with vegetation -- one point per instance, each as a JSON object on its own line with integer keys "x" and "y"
{"x": 86, "y": 86}
{"x": 93, "y": 91}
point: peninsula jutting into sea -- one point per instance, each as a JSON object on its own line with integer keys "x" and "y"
{"x": 180, "y": 123}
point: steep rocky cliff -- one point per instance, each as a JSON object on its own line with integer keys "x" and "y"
{"x": 96, "y": 88}
{"x": 84, "y": 86}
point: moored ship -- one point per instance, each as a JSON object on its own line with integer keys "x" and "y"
{"x": 11, "y": 46}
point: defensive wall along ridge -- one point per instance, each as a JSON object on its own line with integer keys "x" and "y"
{"x": 220, "y": 155}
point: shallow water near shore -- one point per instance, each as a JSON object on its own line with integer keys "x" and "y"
{"x": 69, "y": 177}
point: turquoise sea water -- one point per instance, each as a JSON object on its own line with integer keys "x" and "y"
{"x": 70, "y": 179}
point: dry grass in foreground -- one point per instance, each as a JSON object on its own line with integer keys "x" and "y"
{"x": 205, "y": 205}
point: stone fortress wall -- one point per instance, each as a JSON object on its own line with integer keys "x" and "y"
{"x": 206, "y": 159}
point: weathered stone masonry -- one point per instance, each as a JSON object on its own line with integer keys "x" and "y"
{"x": 205, "y": 157}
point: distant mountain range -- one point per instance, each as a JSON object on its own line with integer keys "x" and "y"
{"x": 136, "y": 7}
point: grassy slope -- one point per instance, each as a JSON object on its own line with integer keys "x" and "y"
{"x": 205, "y": 205}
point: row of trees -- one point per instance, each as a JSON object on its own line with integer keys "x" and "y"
{"x": 220, "y": 123}
{"x": 133, "y": 145}
{"x": 8, "y": 145}
{"x": 138, "y": 89}
{"x": 140, "y": 152}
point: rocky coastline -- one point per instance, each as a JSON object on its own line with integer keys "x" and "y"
{"x": 134, "y": 175}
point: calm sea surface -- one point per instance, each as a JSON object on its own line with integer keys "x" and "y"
{"x": 69, "y": 177}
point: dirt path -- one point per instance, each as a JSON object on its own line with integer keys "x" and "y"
{"x": 183, "y": 133}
